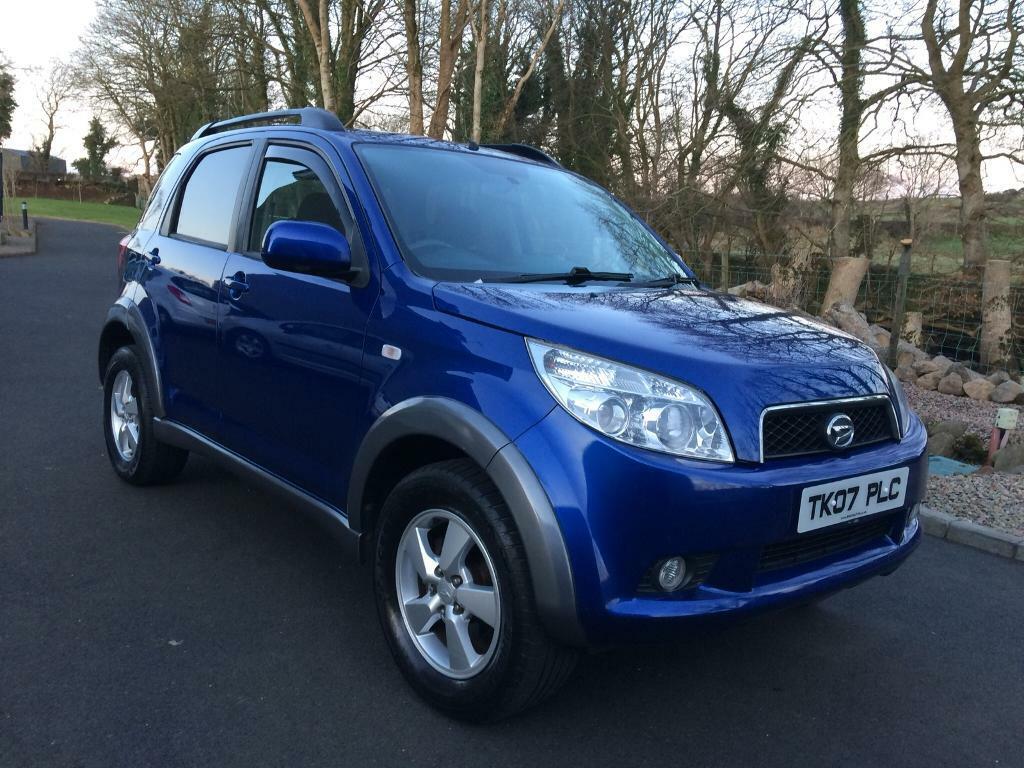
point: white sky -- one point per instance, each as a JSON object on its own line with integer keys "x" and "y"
{"x": 32, "y": 33}
{"x": 31, "y": 50}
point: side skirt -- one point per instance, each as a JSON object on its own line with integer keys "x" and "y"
{"x": 329, "y": 516}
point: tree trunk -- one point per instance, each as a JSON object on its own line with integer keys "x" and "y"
{"x": 996, "y": 315}
{"x": 852, "y": 109}
{"x": 844, "y": 282}
{"x": 320, "y": 32}
{"x": 478, "y": 72}
{"x": 973, "y": 217}
{"x": 413, "y": 67}
{"x": 450, "y": 37}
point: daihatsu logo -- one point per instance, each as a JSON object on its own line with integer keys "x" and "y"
{"x": 839, "y": 431}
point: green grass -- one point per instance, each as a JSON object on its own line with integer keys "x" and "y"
{"x": 118, "y": 215}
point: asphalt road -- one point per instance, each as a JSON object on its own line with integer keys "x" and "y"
{"x": 203, "y": 623}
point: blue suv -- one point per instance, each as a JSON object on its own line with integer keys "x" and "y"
{"x": 504, "y": 391}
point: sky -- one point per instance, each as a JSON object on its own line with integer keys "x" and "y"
{"x": 32, "y": 35}
{"x": 65, "y": 21}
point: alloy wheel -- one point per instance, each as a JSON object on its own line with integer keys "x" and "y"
{"x": 448, "y": 593}
{"x": 124, "y": 416}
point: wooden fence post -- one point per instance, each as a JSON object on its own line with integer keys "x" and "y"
{"x": 896, "y": 332}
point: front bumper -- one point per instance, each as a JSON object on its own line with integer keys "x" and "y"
{"x": 621, "y": 509}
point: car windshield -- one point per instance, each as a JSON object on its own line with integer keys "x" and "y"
{"x": 465, "y": 217}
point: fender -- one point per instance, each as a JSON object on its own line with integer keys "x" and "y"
{"x": 125, "y": 313}
{"x": 475, "y": 435}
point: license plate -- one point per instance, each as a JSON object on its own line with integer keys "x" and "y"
{"x": 843, "y": 500}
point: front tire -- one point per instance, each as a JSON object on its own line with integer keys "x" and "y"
{"x": 455, "y": 599}
{"x": 135, "y": 453}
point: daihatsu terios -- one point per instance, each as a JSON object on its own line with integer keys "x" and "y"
{"x": 505, "y": 390}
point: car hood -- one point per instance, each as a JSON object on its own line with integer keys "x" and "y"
{"x": 744, "y": 354}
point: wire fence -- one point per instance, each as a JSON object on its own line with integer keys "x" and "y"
{"x": 951, "y": 308}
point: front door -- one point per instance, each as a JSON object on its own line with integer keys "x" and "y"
{"x": 292, "y": 395}
{"x": 179, "y": 276}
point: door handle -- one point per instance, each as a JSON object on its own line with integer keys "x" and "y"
{"x": 236, "y": 285}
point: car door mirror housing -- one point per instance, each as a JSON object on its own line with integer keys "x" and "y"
{"x": 308, "y": 247}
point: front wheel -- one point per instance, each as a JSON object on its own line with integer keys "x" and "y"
{"x": 455, "y": 598}
{"x": 134, "y": 451}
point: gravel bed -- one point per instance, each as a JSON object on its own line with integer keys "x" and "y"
{"x": 995, "y": 500}
{"x": 977, "y": 415}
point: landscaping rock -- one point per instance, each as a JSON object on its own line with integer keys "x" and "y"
{"x": 965, "y": 373}
{"x": 1008, "y": 459}
{"x": 942, "y": 364}
{"x": 941, "y": 444}
{"x": 979, "y": 389}
{"x": 956, "y": 429}
{"x": 925, "y": 366}
{"x": 906, "y": 374}
{"x": 1006, "y": 392}
{"x": 999, "y": 377}
{"x": 929, "y": 380}
{"x": 951, "y": 384}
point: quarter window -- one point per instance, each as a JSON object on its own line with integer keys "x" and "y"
{"x": 291, "y": 191}
{"x": 208, "y": 202}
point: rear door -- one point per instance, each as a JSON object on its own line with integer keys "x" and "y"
{"x": 180, "y": 274}
{"x": 293, "y": 396}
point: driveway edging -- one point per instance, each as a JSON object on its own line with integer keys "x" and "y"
{"x": 958, "y": 531}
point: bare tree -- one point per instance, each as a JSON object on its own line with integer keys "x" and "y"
{"x": 480, "y": 39}
{"x": 517, "y": 90}
{"x": 56, "y": 89}
{"x": 451, "y": 28}
{"x": 969, "y": 54}
{"x": 413, "y": 64}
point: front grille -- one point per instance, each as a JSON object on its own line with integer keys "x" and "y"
{"x": 698, "y": 566}
{"x": 812, "y": 546}
{"x": 799, "y": 430}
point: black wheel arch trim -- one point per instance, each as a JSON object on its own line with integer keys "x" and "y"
{"x": 478, "y": 437}
{"x": 126, "y": 314}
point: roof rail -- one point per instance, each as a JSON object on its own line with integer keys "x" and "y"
{"x": 313, "y": 117}
{"x": 526, "y": 151}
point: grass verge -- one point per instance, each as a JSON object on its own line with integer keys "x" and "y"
{"x": 118, "y": 215}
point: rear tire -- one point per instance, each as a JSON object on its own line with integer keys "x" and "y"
{"x": 135, "y": 453}
{"x": 510, "y": 664}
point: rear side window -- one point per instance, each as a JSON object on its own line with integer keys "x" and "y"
{"x": 292, "y": 191}
{"x": 208, "y": 200}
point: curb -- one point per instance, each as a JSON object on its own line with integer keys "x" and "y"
{"x": 22, "y": 246}
{"x": 945, "y": 526}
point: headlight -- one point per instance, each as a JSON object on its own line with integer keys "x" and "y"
{"x": 903, "y": 409}
{"x": 632, "y": 405}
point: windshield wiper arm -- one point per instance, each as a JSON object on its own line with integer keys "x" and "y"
{"x": 574, "y": 276}
{"x": 670, "y": 280}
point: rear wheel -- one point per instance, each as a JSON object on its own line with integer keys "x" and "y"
{"x": 455, "y": 598}
{"x": 134, "y": 451}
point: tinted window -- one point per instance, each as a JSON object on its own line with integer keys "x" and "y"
{"x": 464, "y": 216}
{"x": 209, "y": 197}
{"x": 291, "y": 191}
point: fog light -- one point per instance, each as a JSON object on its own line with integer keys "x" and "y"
{"x": 912, "y": 522}
{"x": 672, "y": 574}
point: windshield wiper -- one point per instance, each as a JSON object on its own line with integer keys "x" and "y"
{"x": 574, "y": 276}
{"x": 669, "y": 280}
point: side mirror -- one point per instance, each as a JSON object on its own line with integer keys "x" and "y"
{"x": 307, "y": 247}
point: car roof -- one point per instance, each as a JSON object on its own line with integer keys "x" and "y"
{"x": 523, "y": 152}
